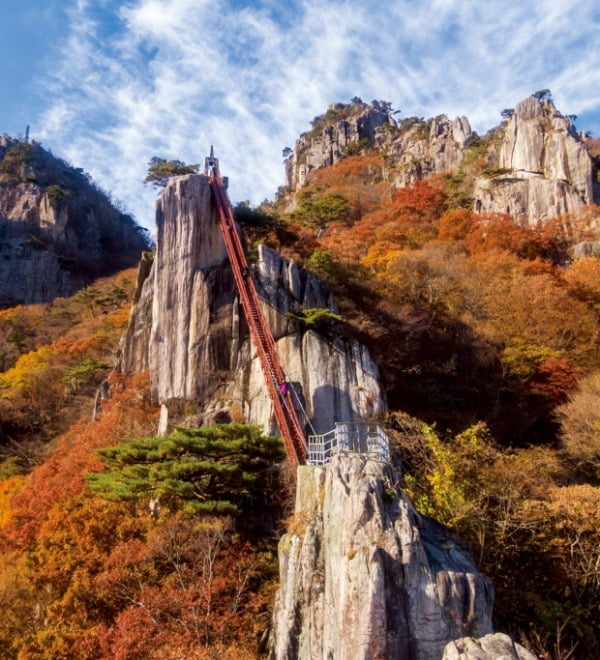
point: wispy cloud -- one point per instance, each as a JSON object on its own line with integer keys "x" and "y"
{"x": 170, "y": 77}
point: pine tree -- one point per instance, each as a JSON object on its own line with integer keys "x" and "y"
{"x": 218, "y": 469}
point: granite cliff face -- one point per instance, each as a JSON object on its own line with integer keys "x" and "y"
{"x": 419, "y": 149}
{"x": 187, "y": 328}
{"x": 536, "y": 166}
{"x": 57, "y": 231}
{"x": 364, "y": 576}
{"x": 544, "y": 169}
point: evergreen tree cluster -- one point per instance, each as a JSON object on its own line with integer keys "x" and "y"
{"x": 217, "y": 470}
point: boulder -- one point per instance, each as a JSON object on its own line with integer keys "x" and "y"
{"x": 490, "y": 647}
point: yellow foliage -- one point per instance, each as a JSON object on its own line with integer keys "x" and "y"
{"x": 34, "y": 362}
{"x": 380, "y": 256}
{"x": 8, "y": 489}
{"x": 522, "y": 359}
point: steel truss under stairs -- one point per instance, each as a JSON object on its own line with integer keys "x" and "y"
{"x": 280, "y": 394}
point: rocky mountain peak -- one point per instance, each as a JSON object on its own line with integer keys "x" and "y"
{"x": 342, "y": 130}
{"x": 544, "y": 168}
{"x": 533, "y": 166}
{"x": 187, "y": 328}
{"x": 58, "y": 231}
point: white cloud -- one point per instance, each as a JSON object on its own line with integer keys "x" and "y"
{"x": 174, "y": 76}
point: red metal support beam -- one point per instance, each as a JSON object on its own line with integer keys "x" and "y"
{"x": 283, "y": 407}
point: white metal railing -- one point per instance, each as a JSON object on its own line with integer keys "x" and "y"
{"x": 349, "y": 438}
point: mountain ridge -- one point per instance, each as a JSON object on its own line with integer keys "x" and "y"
{"x": 534, "y": 165}
{"x": 58, "y": 230}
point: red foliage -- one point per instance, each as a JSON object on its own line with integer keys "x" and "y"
{"x": 554, "y": 379}
{"x": 61, "y": 476}
{"x": 407, "y": 218}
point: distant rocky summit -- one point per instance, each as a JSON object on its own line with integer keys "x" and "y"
{"x": 58, "y": 231}
{"x": 543, "y": 166}
{"x": 533, "y": 166}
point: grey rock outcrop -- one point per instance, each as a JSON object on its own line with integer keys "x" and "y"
{"x": 188, "y": 331}
{"x": 491, "y": 647}
{"x": 57, "y": 232}
{"x": 324, "y": 147}
{"x": 419, "y": 148}
{"x": 544, "y": 168}
{"x": 537, "y": 166}
{"x": 414, "y": 149}
{"x": 362, "y": 575}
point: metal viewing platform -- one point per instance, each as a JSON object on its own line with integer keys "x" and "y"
{"x": 364, "y": 438}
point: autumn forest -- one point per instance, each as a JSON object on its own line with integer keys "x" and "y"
{"x": 485, "y": 332}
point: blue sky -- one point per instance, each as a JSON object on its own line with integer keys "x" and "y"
{"x": 109, "y": 84}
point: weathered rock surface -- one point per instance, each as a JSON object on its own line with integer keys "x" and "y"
{"x": 419, "y": 149}
{"x": 362, "y": 575}
{"x": 57, "y": 232}
{"x": 325, "y": 147}
{"x": 547, "y": 170}
{"x": 491, "y": 647}
{"x": 187, "y": 330}
{"x": 415, "y": 149}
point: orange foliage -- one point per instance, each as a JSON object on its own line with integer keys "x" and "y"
{"x": 406, "y": 218}
{"x": 8, "y": 489}
{"x": 363, "y": 169}
{"x": 537, "y": 309}
{"x": 61, "y": 476}
{"x": 456, "y": 225}
{"x": 23, "y": 329}
{"x": 499, "y": 231}
{"x": 583, "y": 277}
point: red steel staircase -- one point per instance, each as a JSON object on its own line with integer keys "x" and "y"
{"x": 280, "y": 394}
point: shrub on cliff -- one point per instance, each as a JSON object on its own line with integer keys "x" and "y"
{"x": 161, "y": 170}
{"x": 13, "y": 165}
